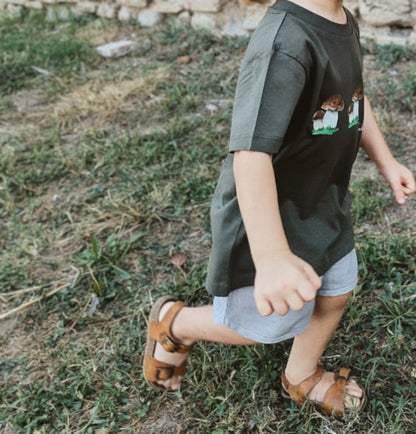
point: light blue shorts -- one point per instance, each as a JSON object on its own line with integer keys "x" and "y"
{"x": 238, "y": 311}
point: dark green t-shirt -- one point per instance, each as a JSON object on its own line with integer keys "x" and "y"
{"x": 299, "y": 97}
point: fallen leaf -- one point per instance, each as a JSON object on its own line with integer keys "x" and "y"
{"x": 184, "y": 59}
{"x": 178, "y": 259}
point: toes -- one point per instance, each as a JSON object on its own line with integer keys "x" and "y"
{"x": 353, "y": 389}
{"x": 166, "y": 383}
{"x": 354, "y": 394}
{"x": 352, "y": 402}
{"x": 172, "y": 383}
{"x": 175, "y": 386}
{"x": 175, "y": 383}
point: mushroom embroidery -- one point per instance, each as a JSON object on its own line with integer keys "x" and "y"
{"x": 318, "y": 120}
{"x": 354, "y": 108}
{"x": 325, "y": 121}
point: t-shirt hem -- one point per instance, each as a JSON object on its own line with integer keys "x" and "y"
{"x": 243, "y": 280}
{"x": 235, "y": 283}
{"x": 269, "y": 145}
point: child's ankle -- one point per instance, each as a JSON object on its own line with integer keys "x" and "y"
{"x": 179, "y": 331}
{"x": 297, "y": 375}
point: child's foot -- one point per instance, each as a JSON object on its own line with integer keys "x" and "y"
{"x": 165, "y": 355}
{"x": 335, "y": 393}
{"x": 352, "y": 395}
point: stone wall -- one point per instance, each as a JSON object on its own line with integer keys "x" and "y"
{"x": 385, "y": 21}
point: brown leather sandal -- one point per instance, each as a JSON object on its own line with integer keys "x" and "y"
{"x": 333, "y": 403}
{"x": 160, "y": 332}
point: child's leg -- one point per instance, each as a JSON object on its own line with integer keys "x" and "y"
{"x": 189, "y": 326}
{"x": 309, "y": 346}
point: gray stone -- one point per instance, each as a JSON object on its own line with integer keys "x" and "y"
{"x": 133, "y": 3}
{"x": 203, "y": 21}
{"x": 386, "y": 13}
{"x": 116, "y": 49}
{"x": 205, "y": 5}
{"x": 169, "y": 6}
{"x": 107, "y": 10}
{"x": 57, "y": 13}
{"x": 86, "y": 7}
{"x": 234, "y": 27}
{"x": 126, "y": 13}
{"x": 185, "y": 16}
{"x": 13, "y": 11}
{"x": 149, "y": 18}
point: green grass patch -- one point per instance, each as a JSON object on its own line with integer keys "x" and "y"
{"x": 33, "y": 42}
{"x": 370, "y": 198}
{"x": 391, "y": 54}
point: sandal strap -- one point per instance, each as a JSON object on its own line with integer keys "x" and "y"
{"x": 160, "y": 371}
{"x": 161, "y": 331}
{"x": 299, "y": 392}
{"x": 335, "y": 396}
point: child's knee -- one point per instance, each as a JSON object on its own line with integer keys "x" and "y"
{"x": 338, "y": 302}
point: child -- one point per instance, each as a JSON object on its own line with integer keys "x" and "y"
{"x": 280, "y": 213}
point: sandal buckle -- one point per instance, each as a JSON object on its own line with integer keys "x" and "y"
{"x": 169, "y": 345}
{"x": 164, "y": 372}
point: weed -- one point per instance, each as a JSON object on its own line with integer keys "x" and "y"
{"x": 390, "y": 54}
{"x": 401, "y": 93}
{"x": 103, "y": 274}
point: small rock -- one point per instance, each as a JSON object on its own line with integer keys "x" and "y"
{"x": 185, "y": 16}
{"x": 205, "y": 5}
{"x": 56, "y": 14}
{"x": 234, "y": 28}
{"x": 13, "y": 11}
{"x": 169, "y": 6}
{"x": 149, "y": 18}
{"x": 212, "y": 105}
{"x": 203, "y": 21}
{"x": 125, "y": 14}
{"x": 116, "y": 49}
{"x": 106, "y": 10}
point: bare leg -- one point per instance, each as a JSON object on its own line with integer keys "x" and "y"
{"x": 189, "y": 326}
{"x": 310, "y": 345}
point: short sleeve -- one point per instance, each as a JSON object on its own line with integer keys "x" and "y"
{"x": 268, "y": 89}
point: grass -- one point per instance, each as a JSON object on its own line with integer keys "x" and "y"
{"x": 391, "y": 54}
{"x": 54, "y": 50}
{"x": 106, "y": 172}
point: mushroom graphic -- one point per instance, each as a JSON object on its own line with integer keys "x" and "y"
{"x": 332, "y": 106}
{"x": 351, "y": 114}
{"x": 357, "y": 96}
{"x": 318, "y": 120}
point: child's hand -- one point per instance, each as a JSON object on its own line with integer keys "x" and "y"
{"x": 400, "y": 180}
{"x": 284, "y": 281}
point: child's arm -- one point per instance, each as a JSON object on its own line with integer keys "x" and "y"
{"x": 399, "y": 178}
{"x": 283, "y": 280}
